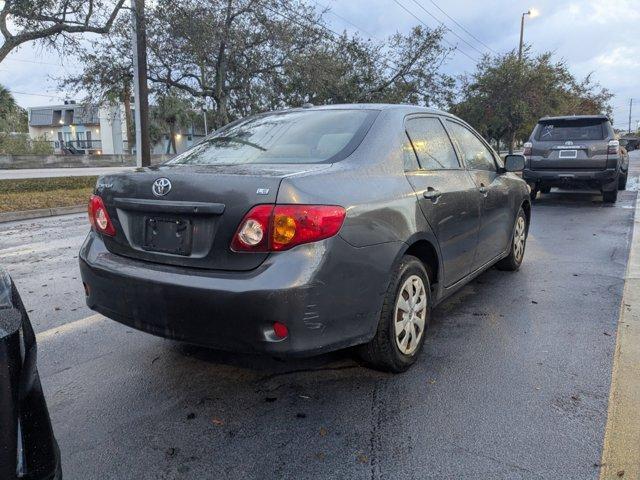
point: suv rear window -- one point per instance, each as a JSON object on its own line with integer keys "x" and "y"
{"x": 307, "y": 136}
{"x": 582, "y": 129}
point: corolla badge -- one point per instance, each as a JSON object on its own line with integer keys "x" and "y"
{"x": 161, "y": 187}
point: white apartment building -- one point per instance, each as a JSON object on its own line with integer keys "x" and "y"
{"x": 78, "y": 129}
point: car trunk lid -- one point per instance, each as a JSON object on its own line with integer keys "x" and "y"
{"x": 193, "y": 223}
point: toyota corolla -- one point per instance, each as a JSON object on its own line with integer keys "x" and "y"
{"x": 308, "y": 230}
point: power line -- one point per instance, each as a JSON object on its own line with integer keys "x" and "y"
{"x": 33, "y": 61}
{"x": 445, "y": 26}
{"x": 455, "y": 47}
{"x": 463, "y": 27}
{"x": 15, "y": 92}
{"x": 346, "y": 20}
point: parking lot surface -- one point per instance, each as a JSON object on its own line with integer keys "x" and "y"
{"x": 513, "y": 381}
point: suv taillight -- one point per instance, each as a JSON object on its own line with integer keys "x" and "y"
{"x": 613, "y": 147}
{"x": 99, "y": 218}
{"x": 280, "y": 227}
{"x": 527, "y": 148}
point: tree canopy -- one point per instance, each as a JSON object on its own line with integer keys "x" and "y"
{"x": 504, "y": 98}
{"x": 23, "y": 21}
{"x": 237, "y": 57}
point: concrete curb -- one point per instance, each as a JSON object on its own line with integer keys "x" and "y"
{"x": 40, "y": 213}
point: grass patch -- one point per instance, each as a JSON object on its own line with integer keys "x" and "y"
{"x": 34, "y": 193}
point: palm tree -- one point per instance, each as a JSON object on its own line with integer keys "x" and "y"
{"x": 13, "y": 118}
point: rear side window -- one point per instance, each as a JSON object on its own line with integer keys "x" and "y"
{"x": 432, "y": 144}
{"x": 579, "y": 129}
{"x": 307, "y": 136}
{"x": 474, "y": 153}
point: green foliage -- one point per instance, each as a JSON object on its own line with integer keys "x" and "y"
{"x": 242, "y": 57}
{"x": 12, "y": 117}
{"x": 21, "y": 144}
{"x": 504, "y": 98}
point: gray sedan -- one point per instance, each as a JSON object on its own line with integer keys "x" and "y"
{"x": 308, "y": 230}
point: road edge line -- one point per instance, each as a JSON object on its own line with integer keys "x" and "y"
{"x": 69, "y": 327}
{"x": 621, "y": 449}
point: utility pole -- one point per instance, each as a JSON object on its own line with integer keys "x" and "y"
{"x": 139, "y": 41}
{"x": 630, "y": 107}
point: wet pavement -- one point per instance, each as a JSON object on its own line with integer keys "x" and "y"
{"x": 513, "y": 381}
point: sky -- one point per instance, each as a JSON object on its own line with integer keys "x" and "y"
{"x": 601, "y": 37}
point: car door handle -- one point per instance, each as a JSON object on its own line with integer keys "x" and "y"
{"x": 431, "y": 193}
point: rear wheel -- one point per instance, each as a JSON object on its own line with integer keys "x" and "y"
{"x": 545, "y": 189}
{"x": 622, "y": 181}
{"x": 610, "y": 197}
{"x": 405, "y": 315}
{"x": 513, "y": 261}
{"x": 533, "y": 193}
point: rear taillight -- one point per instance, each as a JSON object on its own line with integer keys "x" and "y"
{"x": 99, "y": 218}
{"x": 528, "y": 146}
{"x": 280, "y": 227}
{"x": 613, "y": 147}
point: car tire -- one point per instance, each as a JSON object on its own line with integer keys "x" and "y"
{"x": 622, "y": 181}
{"x": 610, "y": 197}
{"x": 533, "y": 193}
{"x": 384, "y": 351}
{"x": 545, "y": 189}
{"x": 512, "y": 262}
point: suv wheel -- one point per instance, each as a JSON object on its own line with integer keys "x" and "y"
{"x": 545, "y": 189}
{"x": 622, "y": 181}
{"x": 513, "y": 261}
{"x": 534, "y": 193}
{"x": 610, "y": 197}
{"x": 404, "y": 318}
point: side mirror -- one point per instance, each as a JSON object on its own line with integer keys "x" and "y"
{"x": 514, "y": 163}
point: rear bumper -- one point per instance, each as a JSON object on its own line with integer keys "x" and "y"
{"x": 328, "y": 293}
{"x": 601, "y": 179}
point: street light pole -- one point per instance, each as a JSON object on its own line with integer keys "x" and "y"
{"x": 528, "y": 12}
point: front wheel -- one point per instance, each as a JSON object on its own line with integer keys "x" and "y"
{"x": 622, "y": 181}
{"x": 513, "y": 261}
{"x": 404, "y": 318}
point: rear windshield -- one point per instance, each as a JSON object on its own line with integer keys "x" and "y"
{"x": 583, "y": 129}
{"x": 309, "y": 136}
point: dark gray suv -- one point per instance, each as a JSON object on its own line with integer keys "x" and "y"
{"x": 307, "y": 230}
{"x": 578, "y": 151}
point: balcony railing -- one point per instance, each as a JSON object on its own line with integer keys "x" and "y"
{"x": 77, "y": 146}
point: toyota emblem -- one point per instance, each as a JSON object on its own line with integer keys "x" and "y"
{"x": 161, "y": 187}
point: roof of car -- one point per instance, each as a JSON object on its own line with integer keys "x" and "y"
{"x": 575, "y": 117}
{"x": 379, "y": 106}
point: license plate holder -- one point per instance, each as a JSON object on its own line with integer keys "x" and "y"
{"x": 168, "y": 235}
{"x": 568, "y": 154}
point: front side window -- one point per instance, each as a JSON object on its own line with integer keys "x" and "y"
{"x": 431, "y": 143}
{"x": 474, "y": 153}
{"x": 307, "y": 136}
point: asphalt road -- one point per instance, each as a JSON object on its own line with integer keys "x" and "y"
{"x": 513, "y": 382}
